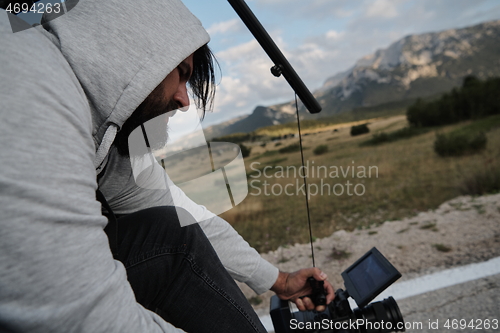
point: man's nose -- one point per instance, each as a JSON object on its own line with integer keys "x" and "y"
{"x": 182, "y": 98}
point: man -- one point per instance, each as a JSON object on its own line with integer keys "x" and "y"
{"x": 71, "y": 91}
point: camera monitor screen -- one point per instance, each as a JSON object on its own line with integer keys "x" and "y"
{"x": 369, "y": 276}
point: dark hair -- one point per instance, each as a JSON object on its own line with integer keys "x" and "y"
{"x": 202, "y": 80}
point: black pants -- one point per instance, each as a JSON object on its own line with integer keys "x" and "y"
{"x": 175, "y": 272}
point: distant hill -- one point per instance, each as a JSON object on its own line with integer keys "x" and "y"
{"x": 261, "y": 117}
{"x": 415, "y": 66}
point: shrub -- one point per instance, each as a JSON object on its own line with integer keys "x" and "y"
{"x": 404, "y": 133}
{"x": 255, "y": 300}
{"x": 290, "y": 149}
{"x": 321, "y": 149}
{"x": 359, "y": 129}
{"x": 379, "y": 138}
{"x": 482, "y": 181}
{"x": 442, "y": 247}
{"x": 456, "y": 144}
{"x": 339, "y": 254}
{"x": 234, "y": 138}
{"x": 245, "y": 151}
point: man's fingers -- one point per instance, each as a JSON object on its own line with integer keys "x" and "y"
{"x": 298, "y": 286}
{"x": 319, "y": 275}
{"x": 330, "y": 294}
{"x": 314, "y": 272}
{"x": 300, "y": 304}
{"x": 304, "y": 304}
{"x": 308, "y": 303}
{"x": 320, "y": 308}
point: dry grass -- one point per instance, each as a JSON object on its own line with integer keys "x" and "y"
{"x": 411, "y": 178}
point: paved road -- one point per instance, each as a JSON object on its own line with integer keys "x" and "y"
{"x": 478, "y": 300}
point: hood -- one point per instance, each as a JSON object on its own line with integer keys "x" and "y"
{"x": 120, "y": 50}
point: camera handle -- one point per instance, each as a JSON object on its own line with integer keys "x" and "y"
{"x": 318, "y": 295}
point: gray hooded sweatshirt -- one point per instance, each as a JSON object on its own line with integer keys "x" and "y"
{"x": 65, "y": 90}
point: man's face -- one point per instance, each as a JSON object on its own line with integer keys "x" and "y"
{"x": 174, "y": 86}
{"x": 171, "y": 94}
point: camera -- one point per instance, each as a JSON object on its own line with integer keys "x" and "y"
{"x": 363, "y": 280}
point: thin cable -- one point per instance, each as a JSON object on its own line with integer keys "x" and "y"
{"x": 305, "y": 182}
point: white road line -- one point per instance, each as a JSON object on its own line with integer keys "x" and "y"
{"x": 427, "y": 283}
{"x": 442, "y": 279}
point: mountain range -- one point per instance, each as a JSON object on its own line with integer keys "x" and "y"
{"x": 415, "y": 66}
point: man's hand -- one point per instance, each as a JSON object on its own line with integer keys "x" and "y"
{"x": 291, "y": 286}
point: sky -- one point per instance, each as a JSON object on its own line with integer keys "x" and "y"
{"x": 319, "y": 38}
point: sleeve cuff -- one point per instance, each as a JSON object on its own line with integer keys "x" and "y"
{"x": 263, "y": 277}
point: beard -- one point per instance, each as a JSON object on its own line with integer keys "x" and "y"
{"x": 153, "y": 106}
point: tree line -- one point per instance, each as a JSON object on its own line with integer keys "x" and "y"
{"x": 474, "y": 99}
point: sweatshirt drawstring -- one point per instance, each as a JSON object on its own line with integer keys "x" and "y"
{"x": 104, "y": 147}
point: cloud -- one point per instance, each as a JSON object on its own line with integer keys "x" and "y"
{"x": 233, "y": 25}
{"x": 311, "y": 9}
{"x": 383, "y": 9}
{"x": 334, "y": 35}
{"x": 236, "y": 53}
{"x": 234, "y": 93}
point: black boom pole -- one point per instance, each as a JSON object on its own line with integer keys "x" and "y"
{"x": 281, "y": 64}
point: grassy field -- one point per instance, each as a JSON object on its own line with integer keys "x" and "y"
{"x": 406, "y": 177}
